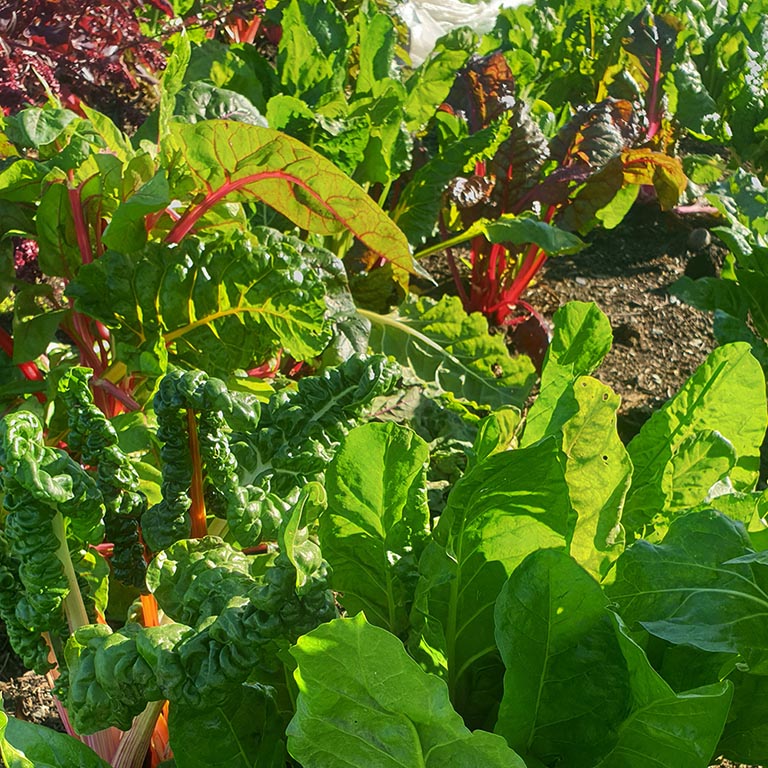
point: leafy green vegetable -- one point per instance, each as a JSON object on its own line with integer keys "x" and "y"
{"x": 220, "y": 306}
{"x": 363, "y": 700}
{"x": 242, "y": 732}
{"x": 558, "y": 645}
{"x": 443, "y": 345}
{"x": 664, "y": 727}
{"x": 702, "y": 586}
{"x": 506, "y": 507}
{"x": 27, "y": 745}
{"x": 725, "y": 394}
{"x": 581, "y": 339}
{"x": 377, "y": 521}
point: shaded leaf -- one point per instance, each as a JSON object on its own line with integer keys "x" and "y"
{"x": 666, "y": 728}
{"x": 702, "y": 586}
{"x": 244, "y": 732}
{"x": 566, "y": 687}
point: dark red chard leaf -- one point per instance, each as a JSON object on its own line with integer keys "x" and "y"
{"x": 484, "y": 90}
{"x": 529, "y": 333}
{"x": 514, "y": 168}
{"x": 597, "y": 133}
{"x": 649, "y": 34}
{"x": 518, "y": 161}
{"x": 89, "y": 50}
{"x": 652, "y": 40}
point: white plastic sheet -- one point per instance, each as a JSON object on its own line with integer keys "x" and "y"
{"x": 430, "y": 19}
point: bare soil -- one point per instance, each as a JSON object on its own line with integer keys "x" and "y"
{"x": 25, "y": 695}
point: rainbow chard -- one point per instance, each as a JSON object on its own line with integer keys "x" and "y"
{"x": 117, "y": 227}
{"x": 588, "y": 174}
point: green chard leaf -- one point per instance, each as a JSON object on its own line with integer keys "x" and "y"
{"x": 665, "y": 728}
{"x": 680, "y": 448}
{"x": 363, "y": 701}
{"x": 566, "y": 688}
{"x": 226, "y": 161}
{"x": 312, "y": 54}
{"x": 377, "y": 521}
{"x": 243, "y": 732}
{"x": 27, "y": 745}
{"x": 218, "y": 306}
{"x": 506, "y": 507}
{"x": 445, "y": 346}
{"x": 580, "y": 691}
{"x": 702, "y": 586}
{"x": 581, "y": 340}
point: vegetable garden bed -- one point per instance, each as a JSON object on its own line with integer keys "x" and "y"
{"x": 312, "y": 444}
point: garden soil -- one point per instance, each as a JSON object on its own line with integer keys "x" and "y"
{"x": 658, "y": 343}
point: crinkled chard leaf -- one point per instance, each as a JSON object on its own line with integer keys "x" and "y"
{"x": 377, "y": 521}
{"x": 364, "y": 701}
{"x": 218, "y": 306}
{"x": 300, "y": 429}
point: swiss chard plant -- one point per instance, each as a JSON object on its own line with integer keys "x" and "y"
{"x": 571, "y": 599}
{"x": 145, "y": 254}
{"x": 505, "y": 170}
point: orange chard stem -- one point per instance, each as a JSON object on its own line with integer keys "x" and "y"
{"x": 197, "y": 510}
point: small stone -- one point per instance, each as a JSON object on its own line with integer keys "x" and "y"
{"x": 581, "y": 281}
{"x": 699, "y": 239}
{"x": 674, "y": 300}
